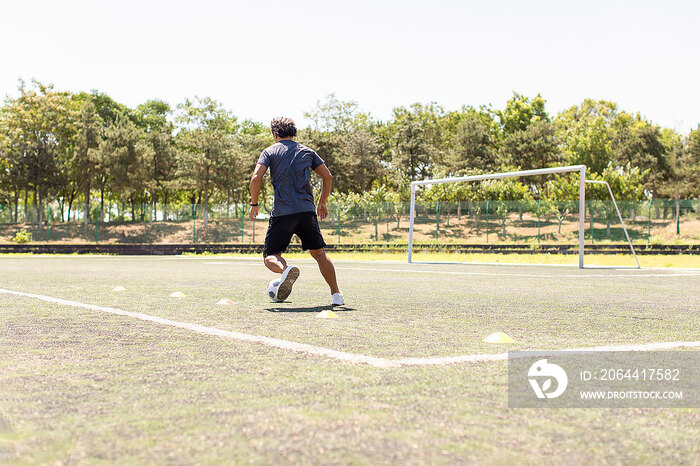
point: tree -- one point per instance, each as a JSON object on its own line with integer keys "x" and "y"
{"x": 205, "y": 138}
{"x": 125, "y": 151}
{"x": 587, "y": 133}
{"x": 7, "y": 185}
{"x": 415, "y": 140}
{"x": 521, "y": 112}
{"x": 362, "y": 151}
{"x": 107, "y": 108}
{"x": 412, "y": 151}
{"x": 232, "y": 174}
{"x": 640, "y": 144}
{"x": 108, "y": 112}
{"x": 344, "y": 138}
{"x": 474, "y": 143}
{"x": 10, "y": 174}
{"x": 331, "y": 120}
{"x": 536, "y": 146}
{"x": 86, "y": 156}
{"x": 38, "y": 132}
{"x": 686, "y": 172}
{"x": 161, "y": 165}
{"x": 329, "y": 146}
{"x": 529, "y": 137}
{"x": 333, "y": 115}
{"x": 683, "y": 171}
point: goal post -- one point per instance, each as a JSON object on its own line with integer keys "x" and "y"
{"x": 497, "y": 176}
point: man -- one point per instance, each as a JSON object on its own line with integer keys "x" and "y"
{"x": 290, "y": 165}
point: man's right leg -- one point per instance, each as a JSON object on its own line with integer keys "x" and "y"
{"x": 276, "y": 263}
{"x": 279, "y": 233}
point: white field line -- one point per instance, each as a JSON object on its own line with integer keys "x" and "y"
{"x": 441, "y": 361}
{"x": 494, "y": 274}
{"x": 423, "y": 263}
{"x": 273, "y": 342}
{"x": 499, "y": 274}
{"x": 357, "y": 261}
{"x": 333, "y": 354}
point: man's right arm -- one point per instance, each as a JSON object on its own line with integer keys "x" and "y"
{"x": 326, "y": 179}
{"x": 255, "y": 183}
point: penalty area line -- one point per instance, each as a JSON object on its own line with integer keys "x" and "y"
{"x": 327, "y": 352}
{"x": 267, "y": 341}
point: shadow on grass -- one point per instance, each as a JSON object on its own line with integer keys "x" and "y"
{"x": 311, "y": 309}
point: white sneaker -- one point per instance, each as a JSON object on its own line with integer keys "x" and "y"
{"x": 337, "y": 299}
{"x": 289, "y": 276}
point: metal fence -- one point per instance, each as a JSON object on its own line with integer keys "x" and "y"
{"x": 662, "y": 221}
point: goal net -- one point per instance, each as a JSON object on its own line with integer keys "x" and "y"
{"x": 578, "y": 205}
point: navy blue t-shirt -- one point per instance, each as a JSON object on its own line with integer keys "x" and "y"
{"x": 290, "y": 165}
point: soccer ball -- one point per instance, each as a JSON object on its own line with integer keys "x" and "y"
{"x": 272, "y": 290}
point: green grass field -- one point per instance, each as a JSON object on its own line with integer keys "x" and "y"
{"x": 82, "y": 386}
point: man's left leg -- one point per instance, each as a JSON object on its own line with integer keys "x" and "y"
{"x": 312, "y": 240}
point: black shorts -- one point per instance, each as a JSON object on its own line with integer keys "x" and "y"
{"x": 281, "y": 229}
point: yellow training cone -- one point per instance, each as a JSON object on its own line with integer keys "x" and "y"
{"x": 327, "y": 315}
{"x": 498, "y": 337}
{"x": 225, "y": 302}
{"x": 119, "y": 288}
{"x": 177, "y": 294}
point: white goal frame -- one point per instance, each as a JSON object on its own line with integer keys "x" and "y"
{"x": 581, "y": 169}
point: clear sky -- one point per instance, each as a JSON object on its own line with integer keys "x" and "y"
{"x": 267, "y": 58}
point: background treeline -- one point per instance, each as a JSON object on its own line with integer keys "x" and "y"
{"x": 77, "y": 150}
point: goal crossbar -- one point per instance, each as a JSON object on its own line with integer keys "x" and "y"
{"x": 496, "y": 176}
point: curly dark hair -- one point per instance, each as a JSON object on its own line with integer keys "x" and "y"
{"x": 283, "y": 127}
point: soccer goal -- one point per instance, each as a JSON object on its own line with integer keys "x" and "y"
{"x": 581, "y": 169}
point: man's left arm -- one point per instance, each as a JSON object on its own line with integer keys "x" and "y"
{"x": 326, "y": 179}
